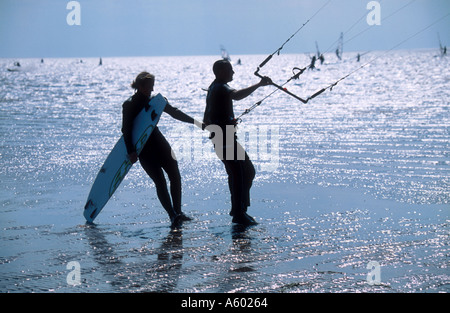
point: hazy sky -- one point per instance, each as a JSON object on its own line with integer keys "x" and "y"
{"x": 39, "y": 28}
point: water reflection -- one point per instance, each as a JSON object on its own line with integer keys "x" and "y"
{"x": 141, "y": 274}
{"x": 241, "y": 249}
{"x": 239, "y": 271}
{"x": 170, "y": 258}
{"x": 106, "y": 257}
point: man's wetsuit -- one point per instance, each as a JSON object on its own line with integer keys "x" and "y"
{"x": 240, "y": 170}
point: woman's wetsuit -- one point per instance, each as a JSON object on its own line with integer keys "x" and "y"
{"x": 156, "y": 154}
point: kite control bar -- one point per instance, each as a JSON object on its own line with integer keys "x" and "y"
{"x": 296, "y": 75}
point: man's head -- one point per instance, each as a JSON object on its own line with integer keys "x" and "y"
{"x": 223, "y": 71}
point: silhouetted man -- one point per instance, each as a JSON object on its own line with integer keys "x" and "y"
{"x": 219, "y": 117}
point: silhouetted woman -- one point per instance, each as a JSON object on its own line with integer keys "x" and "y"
{"x": 156, "y": 155}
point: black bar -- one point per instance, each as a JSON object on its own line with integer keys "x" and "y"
{"x": 316, "y": 94}
{"x": 290, "y": 93}
{"x": 266, "y": 60}
{"x": 282, "y": 89}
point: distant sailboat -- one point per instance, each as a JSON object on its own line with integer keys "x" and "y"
{"x": 359, "y": 55}
{"x": 443, "y": 49}
{"x": 319, "y": 55}
{"x": 340, "y": 47}
{"x": 16, "y": 68}
{"x": 224, "y": 53}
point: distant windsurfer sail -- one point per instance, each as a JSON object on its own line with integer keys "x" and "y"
{"x": 16, "y": 68}
{"x": 312, "y": 65}
{"x": 225, "y": 54}
{"x": 442, "y": 49}
{"x": 340, "y": 47}
{"x": 319, "y": 55}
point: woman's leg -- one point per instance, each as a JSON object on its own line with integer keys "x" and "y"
{"x": 159, "y": 152}
{"x": 170, "y": 166}
{"x": 157, "y": 175}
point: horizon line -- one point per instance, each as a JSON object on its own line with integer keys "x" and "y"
{"x": 207, "y": 55}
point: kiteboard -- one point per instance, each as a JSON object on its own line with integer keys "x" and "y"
{"x": 117, "y": 164}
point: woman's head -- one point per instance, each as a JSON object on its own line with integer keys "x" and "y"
{"x": 144, "y": 83}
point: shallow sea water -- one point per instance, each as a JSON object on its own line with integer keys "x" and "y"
{"x": 359, "y": 174}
